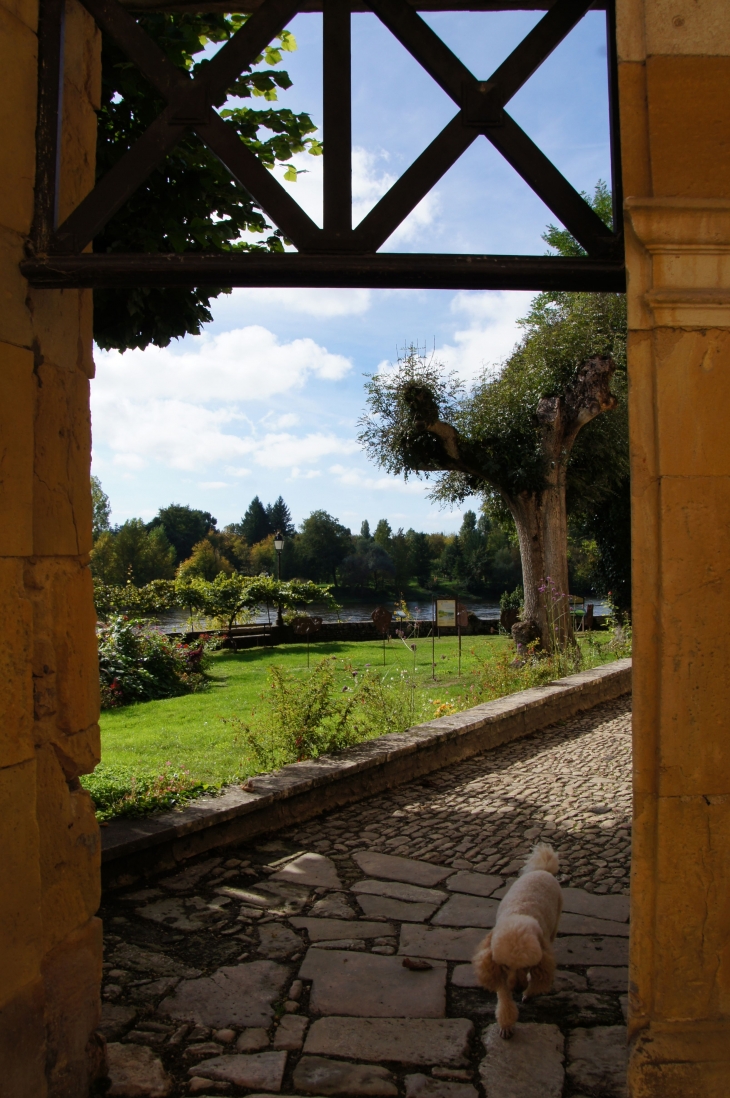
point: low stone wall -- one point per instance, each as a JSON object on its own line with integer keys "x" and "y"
{"x": 268, "y": 802}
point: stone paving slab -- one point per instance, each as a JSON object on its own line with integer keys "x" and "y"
{"x": 260, "y": 1069}
{"x": 136, "y": 1070}
{"x": 320, "y": 930}
{"x": 236, "y": 996}
{"x": 463, "y": 910}
{"x": 399, "y": 891}
{"x": 586, "y": 924}
{"x": 317, "y": 1075}
{"x": 310, "y": 869}
{"x": 422, "y": 1086}
{"x": 597, "y": 1060}
{"x": 401, "y": 869}
{"x": 440, "y": 942}
{"x": 602, "y": 907}
{"x": 578, "y": 950}
{"x": 369, "y": 986}
{"x": 527, "y": 1066}
{"x": 475, "y": 884}
{"x": 392, "y": 1040}
{"x": 386, "y": 908}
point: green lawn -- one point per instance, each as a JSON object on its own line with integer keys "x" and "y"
{"x": 191, "y": 732}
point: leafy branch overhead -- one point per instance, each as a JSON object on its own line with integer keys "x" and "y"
{"x": 190, "y": 202}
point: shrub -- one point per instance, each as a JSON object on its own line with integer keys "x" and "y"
{"x": 118, "y": 791}
{"x": 137, "y": 663}
{"x": 304, "y": 717}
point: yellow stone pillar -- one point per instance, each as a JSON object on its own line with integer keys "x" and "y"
{"x": 49, "y": 841}
{"x": 674, "y": 82}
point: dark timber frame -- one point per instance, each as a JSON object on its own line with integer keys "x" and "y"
{"x": 338, "y": 254}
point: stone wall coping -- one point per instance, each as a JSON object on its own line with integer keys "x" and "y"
{"x": 301, "y": 790}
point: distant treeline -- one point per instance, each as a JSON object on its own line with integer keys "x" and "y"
{"x": 482, "y": 559}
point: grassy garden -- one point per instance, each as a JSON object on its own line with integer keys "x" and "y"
{"x": 262, "y": 708}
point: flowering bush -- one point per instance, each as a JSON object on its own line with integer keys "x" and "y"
{"x": 137, "y": 663}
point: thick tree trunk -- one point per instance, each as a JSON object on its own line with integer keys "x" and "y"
{"x": 541, "y": 522}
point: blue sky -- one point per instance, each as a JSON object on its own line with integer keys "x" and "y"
{"x": 266, "y": 401}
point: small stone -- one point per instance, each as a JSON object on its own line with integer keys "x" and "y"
{"x": 290, "y": 1033}
{"x": 320, "y": 930}
{"x": 399, "y": 891}
{"x": 334, "y": 907}
{"x": 439, "y": 942}
{"x": 371, "y": 986}
{"x": 295, "y": 991}
{"x": 475, "y": 884}
{"x": 291, "y": 1006}
{"x": 341, "y": 943}
{"x": 112, "y": 991}
{"x": 592, "y": 951}
{"x": 179, "y": 1035}
{"x": 199, "y": 1033}
{"x": 135, "y": 1072}
{"x": 237, "y": 995}
{"x": 262, "y": 1069}
{"x": 224, "y": 1035}
{"x": 464, "y": 910}
{"x": 310, "y": 869}
{"x": 277, "y": 941}
{"x": 200, "y": 1049}
{"x": 393, "y": 868}
{"x": 529, "y": 1064}
{"x": 608, "y": 979}
{"x": 316, "y": 1075}
{"x": 384, "y": 907}
{"x": 421, "y": 1086}
{"x": 597, "y": 1060}
{"x": 385, "y": 950}
{"x": 581, "y": 902}
{"x": 116, "y": 1019}
{"x": 197, "y": 1086}
{"x": 144, "y": 960}
{"x": 252, "y": 1040}
{"x": 397, "y": 1040}
{"x": 278, "y": 897}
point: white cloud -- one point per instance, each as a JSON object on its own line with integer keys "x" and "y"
{"x": 491, "y": 332}
{"x": 214, "y": 484}
{"x": 242, "y": 364}
{"x": 353, "y": 478}
{"x": 322, "y": 303}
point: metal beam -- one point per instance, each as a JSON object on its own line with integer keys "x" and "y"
{"x": 337, "y": 120}
{"x": 384, "y": 271}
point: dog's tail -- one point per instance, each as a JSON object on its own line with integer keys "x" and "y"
{"x": 543, "y": 857}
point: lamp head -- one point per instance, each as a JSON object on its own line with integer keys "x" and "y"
{"x": 278, "y": 542}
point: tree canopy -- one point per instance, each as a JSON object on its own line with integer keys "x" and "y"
{"x": 189, "y": 202}
{"x": 184, "y": 527}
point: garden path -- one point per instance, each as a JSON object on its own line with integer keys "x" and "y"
{"x": 333, "y": 958}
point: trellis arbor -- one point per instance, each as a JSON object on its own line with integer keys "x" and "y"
{"x": 338, "y": 253}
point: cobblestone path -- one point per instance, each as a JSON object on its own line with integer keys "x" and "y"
{"x": 333, "y": 958}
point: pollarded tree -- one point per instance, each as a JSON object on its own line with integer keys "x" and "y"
{"x": 514, "y": 437}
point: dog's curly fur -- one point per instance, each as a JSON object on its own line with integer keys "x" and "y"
{"x": 518, "y": 952}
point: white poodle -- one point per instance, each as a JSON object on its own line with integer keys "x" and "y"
{"x": 518, "y": 952}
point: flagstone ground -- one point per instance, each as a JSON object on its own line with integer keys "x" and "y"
{"x": 333, "y": 959}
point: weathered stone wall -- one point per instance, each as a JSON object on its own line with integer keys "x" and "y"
{"x": 675, "y": 118}
{"x": 49, "y": 839}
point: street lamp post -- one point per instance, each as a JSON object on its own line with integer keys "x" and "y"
{"x": 278, "y": 545}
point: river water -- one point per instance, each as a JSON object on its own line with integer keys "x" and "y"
{"x": 359, "y": 611}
